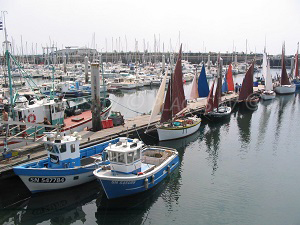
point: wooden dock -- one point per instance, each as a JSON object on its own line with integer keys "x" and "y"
{"x": 132, "y": 126}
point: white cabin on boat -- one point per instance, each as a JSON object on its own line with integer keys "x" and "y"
{"x": 63, "y": 151}
{"x": 125, "y": 156}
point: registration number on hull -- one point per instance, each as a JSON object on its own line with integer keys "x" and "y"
{"x": 47, "y": 179}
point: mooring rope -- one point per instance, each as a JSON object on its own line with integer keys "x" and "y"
{"x": 127, "y": 107}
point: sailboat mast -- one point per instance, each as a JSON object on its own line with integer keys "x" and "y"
{"x": 7, "y": 55}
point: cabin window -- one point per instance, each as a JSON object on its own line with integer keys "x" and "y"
{"x": 130, "y": 157}
{"x": 72, "y": 148}
{"x": 113, "y": 156}
{"x": 51, "y": 148}
{"x": 137, "y": 154}
{"x": 63, "y": 148}
{"x": 121, "y": 158}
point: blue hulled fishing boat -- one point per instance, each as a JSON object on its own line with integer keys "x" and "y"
{"x": 134, "y": 167}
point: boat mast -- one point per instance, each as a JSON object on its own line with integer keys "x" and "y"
{"x": 7, "y": 55}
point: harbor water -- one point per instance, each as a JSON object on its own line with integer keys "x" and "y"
{"x": 244, "y": 170}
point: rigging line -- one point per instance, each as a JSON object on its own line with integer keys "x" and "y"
{"x": 126, "y": 107}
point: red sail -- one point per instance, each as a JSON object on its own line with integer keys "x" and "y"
{"x": 210, "y": 99}
{"x": 167, "y": 113}
{"x": 247, "y": 86}
{"x": 284, "y": 76}
{"x": 178, "y": 97}
{"x": 230, "y": 79}
{"x": 218, "y": 93}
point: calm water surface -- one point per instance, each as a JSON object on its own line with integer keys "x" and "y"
{"x": 241, "y": 171}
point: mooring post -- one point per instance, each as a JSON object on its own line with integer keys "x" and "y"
{"x": 65, "y": 63}
{"x": 96, "y": 103}
{"x": 86, "y": 69}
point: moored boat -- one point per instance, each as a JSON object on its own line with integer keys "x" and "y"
{"x": 135, "y": 168}
{"x": 66, "y": 165}
{"x": 268, "y": 93}
{"x": 285, "y": 86}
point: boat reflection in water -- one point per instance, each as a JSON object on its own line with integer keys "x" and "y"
{"x": 60, "y": 207}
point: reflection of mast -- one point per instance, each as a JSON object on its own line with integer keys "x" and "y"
{"x": 244, "y": 124}
{"x": 263, "y": 122}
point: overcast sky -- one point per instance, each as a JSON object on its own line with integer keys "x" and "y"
{"x": 210, "y": 25}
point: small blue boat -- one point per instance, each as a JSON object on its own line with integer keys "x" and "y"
{"x": 134, "y": 167}
{"x": 66, "y": 165}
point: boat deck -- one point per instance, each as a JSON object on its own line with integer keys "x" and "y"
{"x": 80, "y": 118}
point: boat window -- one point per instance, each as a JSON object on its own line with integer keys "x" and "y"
{"x": 72, "y": 148}
{"x": 51, "y": 148}
{"x": 130, "y": 157}
{"x": 113, "y": 156}
{"x": 63, "y": 148}
{"x": 137, "y": 154}
{"x": 121, "y": 158}
{"x": 52, "y": 109}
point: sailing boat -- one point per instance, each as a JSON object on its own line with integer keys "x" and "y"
{"x": 246, "y": 96}
{"x": 285, "y": 86}
{"x": 296, "y": 80}
{"x": 171, "y": 127}
{"x": 213, "y": 107}
{"x": 268, "y": 93}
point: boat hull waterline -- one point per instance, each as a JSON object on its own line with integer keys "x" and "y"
{"x": 170, "y": 133}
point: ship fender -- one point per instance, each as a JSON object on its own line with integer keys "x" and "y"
{"x": 146, "y": 183}
{"x": 152, "y": 179}
{"x": 169, "y": 169}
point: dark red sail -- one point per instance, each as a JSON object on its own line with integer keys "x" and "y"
{"x": 178, "y": 97}
{"x": 217, "y": 98}
{"x": 284, "y": 76}
{"x": 167, "y": 113}
{"x": 247, "y": 86}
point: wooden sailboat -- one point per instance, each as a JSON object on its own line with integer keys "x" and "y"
{"x": 213, "y": 107}
{"x": 246, "y": 97}
{"x": 285, "y": 86}
{"x": 171, "y": 126}
{"x": 268, "y": 93}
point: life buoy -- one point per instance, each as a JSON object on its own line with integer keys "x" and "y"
{"x": 31, "y": 118}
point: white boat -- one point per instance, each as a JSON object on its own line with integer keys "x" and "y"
{"x": 122, "y": 83}
{"x": 285, "y": 86}
{"x": 135, "y": 168}
{"x": 180, "y": 128}
{"x": 285, "y": 89}
{"x": 268, "y": 93}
